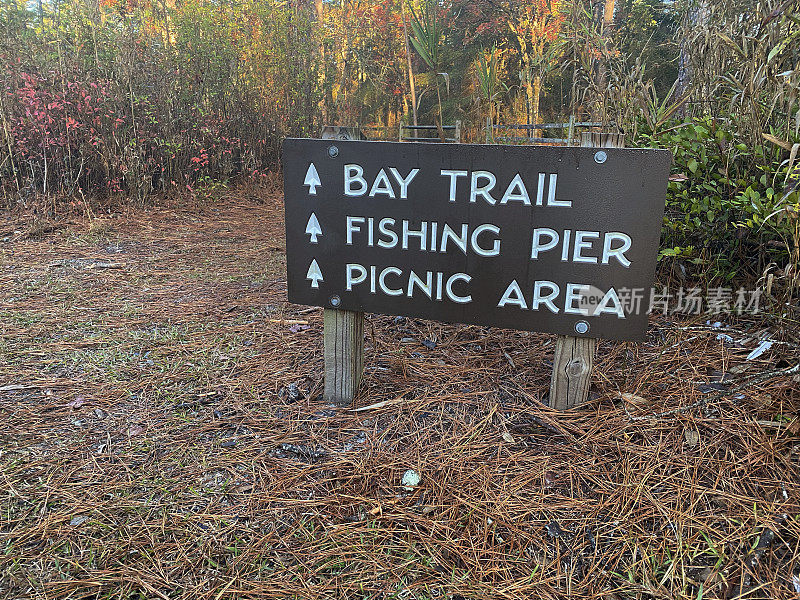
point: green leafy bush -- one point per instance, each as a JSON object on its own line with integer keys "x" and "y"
{"x": 730, "y": 209}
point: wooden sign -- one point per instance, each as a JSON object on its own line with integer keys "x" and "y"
{"x": 551, "y": 239}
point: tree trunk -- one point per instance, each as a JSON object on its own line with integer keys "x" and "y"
{"x": 344, "y": 76}
{"x": 608, "y": 15}
{"x": 606, "y": 18}
{"x": 319, "y": 59}
{"x": 411, "y": 84}
{"x": 695, "y": 16}
{"x": 537, "y": 92}
{"x": 528, "y": 96}
{"x": 439, "y": 119}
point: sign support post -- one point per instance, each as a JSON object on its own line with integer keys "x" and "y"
{"x": 574, "y": 357}
{"x": 343, "y": 330}
{"x": 344, "y": 354}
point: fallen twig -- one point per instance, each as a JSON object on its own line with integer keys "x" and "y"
{"x": 746, "y": 381}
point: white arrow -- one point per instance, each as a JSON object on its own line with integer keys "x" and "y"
{"x": 312, "y": 179}
{"x": 314, "y": 274}
{"x": 313, "y": 229}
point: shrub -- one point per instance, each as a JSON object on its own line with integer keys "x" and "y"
{"x": 731, "y": 208}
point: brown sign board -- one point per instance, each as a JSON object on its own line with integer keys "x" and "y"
{"x": 553, "y": 239}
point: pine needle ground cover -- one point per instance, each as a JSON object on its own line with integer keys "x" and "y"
{"x": 162, "y": 436}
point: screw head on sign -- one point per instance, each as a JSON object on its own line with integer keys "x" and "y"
{"x": 335, "y": 301}
{"x": 581, "y": 327}
{"x": 333, "y": 151}
{"x": 600, "y": 157}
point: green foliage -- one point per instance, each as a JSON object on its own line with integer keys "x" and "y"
{"x": 486, "y": 71}
{"x": 427, "y": 39}
{"x": 427, "y": 34}
{"x": 646, "y": 29}
{"x": 724, "y": 199}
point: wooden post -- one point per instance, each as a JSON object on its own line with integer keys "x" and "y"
{"x": 343, "y": 330}
{"x": 571, "y": 130}
{"x": 574, "y": 357}
{"x": 457, "y": 134}
{"x": 572, "y": 371}
{"x": 344, "y": 354}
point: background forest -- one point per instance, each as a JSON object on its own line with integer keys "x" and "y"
{"x": 121, "y": 99}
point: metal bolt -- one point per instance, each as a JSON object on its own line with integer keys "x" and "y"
{"x": 600, "y": 157}
{"x": 335, "y": 301}
{"x": 581, "y": 327}
{"x": 333, "y": 151}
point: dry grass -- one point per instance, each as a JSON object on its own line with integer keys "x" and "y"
{"x": 154, "y": 445}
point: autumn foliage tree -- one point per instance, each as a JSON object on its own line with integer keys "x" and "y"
{"x": 536, "y": 27}
{"x": 527, "y": 32}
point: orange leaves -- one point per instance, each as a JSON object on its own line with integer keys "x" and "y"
{"x": 543, "y": 20}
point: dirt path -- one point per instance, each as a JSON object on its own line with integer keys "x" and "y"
{"x": 162, "y": 437}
